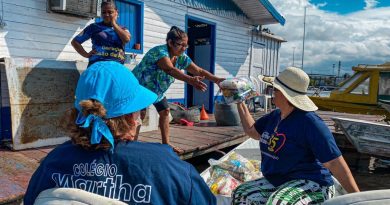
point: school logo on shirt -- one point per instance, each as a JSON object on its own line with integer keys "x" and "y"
{"x": 276, "y": 142}
{"x": 273, "y": 143}
{"x": 105, "y": 182}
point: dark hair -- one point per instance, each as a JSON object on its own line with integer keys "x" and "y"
{"x": 108, "y": 3}
{"x": 175, "y": 34}
{"x": 119, "y": 126}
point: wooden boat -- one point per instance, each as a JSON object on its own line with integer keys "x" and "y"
{"x": 367, "y": 137}
{"x": 361, "y": 92}
{"x": 250, "y": 150}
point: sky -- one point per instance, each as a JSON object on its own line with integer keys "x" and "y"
{"x": 350, "y": 31}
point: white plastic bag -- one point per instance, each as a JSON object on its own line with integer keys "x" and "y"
{"x": 236, "y": 90}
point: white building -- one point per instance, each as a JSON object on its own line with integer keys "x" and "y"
{"x": 40, "y": 67}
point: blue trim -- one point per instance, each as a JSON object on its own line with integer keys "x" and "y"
{"x": 273, "y": 11}
{"x": 212, "y": 68}
{"x": 5, "y": 124}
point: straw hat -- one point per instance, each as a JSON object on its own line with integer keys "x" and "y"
{"x": 293, "y": 83}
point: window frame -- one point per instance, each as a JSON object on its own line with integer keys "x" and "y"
{"x": 139, "y": 27}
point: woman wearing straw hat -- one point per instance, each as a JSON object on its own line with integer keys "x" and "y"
{"x": 298, "y": 150}
{"x": 102, "y": 156}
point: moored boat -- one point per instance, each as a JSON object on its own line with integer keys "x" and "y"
{"x": 361, "y": 92}
{"x": 367, "y": 137}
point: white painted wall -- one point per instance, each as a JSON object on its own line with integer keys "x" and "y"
{"x": 31, "y": 32}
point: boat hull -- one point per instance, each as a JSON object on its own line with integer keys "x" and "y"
{"x": 347, "y": 107}
{"x": 386, "y": 105}
{"x": 367, "y": 137}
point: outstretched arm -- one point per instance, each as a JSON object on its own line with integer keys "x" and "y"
{"x": 247, "y": 121}
{"x": 341, "y": 171}
{"x": 198, "y": 71}
{"x": 166, "y": 65}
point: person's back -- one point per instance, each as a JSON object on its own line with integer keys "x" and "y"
{"x": 136, "y": 172}
{"x": 103, "y": 157}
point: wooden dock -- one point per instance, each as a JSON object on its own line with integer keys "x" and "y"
{"x": 16, "y": 167}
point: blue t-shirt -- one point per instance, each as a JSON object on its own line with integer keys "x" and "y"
{"x": 297, "y": 147}
{"x": 151, "y": 76}
{"x": 106, "y": 42}
{"x": 136, "y": 173}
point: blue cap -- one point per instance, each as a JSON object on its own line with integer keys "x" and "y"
{"x": 114, "y": 86}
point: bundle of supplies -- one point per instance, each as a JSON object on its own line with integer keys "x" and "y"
{"x": 238, "y": 89}
{"x": 226, "y": 175}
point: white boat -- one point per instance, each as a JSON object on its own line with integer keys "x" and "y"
{"x": 367, "y": 137}
{"x": 250, "y": 150}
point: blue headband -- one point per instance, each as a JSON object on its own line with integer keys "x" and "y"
{"x": 99, "y": 128}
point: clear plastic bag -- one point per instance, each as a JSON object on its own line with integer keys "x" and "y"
{"x": 221, "y": 182}
{"x": 236, "y": 90}
{"x": 238, "y": 166}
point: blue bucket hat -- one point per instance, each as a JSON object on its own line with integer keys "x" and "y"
{"x": 116, "y": 88}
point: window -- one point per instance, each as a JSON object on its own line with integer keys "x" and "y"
{"x": 384, "y": 86}
{"x": 350, "y": 81}
{"x": 131, "y": 16}
{"x": 363, "y": 88}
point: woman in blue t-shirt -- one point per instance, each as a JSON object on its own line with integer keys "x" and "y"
{"x": 298, "y": 152}
{"x": 102, "y": 156}
{"x": 108, "y": 38}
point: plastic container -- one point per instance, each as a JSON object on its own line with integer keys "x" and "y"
{"x": 226, "y": 114}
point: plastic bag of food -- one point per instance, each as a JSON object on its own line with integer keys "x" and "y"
{"x": 221, "y": 182}
{"x": 238, "y": 166}
{"x": 238, "y": 89}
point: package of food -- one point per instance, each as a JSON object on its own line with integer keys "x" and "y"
{"x": 221, "y": 182}
{"x": 238, "y": 167}
{"x": 238, "y": 89}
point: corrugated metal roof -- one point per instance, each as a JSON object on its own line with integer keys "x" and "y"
{"x": 217, "y": 7}
{"x": 260, "y": 12}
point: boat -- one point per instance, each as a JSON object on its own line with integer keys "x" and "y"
{"x": 360, "y": 93}
{"x": 250, "y": 150}
{"x": 385, "y": 104}
{"x": 367, "y": 137}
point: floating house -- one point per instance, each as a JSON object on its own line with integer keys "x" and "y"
{"x": 39, "y": 68}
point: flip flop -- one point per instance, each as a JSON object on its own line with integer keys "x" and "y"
{"x": 186, "y": 122}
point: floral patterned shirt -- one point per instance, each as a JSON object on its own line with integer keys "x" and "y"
{"x": 151, "y": 76}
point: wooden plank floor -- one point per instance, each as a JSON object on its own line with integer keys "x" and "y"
{"x": 16, "y": 167}
{"x": 202, "y": 138}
